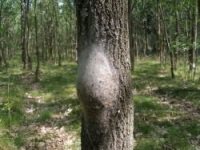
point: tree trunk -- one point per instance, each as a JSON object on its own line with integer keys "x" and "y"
{"x": 176, "y": 35}
{"x": 192, "y": 51}
{"x": 131, "y": 41}
{"x": 146, "y": 38}
{"x": 26, "y": 59}
{"x": 159, "y": 38}
{"x": 171, "y": 53}
{"x": 3, "y": 54}
{"x": 36, "y": 43}
{"x": 2, "y": 49}
{"x": 29, "y": 60}
{"x": 104, "y": 81}
{"x": 198, "y": 7}
{"x": 1, "y": 63}
{"x": 23, "y": 32}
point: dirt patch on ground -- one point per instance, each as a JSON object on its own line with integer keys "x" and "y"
{"x": 48, "y": 134}
{"x": 47, "y": 138}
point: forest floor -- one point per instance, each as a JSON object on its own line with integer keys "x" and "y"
{"x": 167, "y": 111}
{"x": 46, "y": 115}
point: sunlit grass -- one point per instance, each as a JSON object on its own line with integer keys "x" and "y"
{"x": 158, "y": 125}
{"x": 17, "y": 89}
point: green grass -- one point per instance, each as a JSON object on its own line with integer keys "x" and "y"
{"x": 56, "y": 92}
{"x": 159, "y": 122}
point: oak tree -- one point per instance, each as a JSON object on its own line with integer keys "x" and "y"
{"x": 104, "y": 81}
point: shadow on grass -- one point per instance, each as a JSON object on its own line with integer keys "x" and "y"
{"x": 60, "y": 82}
{"x": 11, "y": 107}
{"x": 59, "y": 113}
{"x": 149, "y": 73}
{"x": 56, "y": 80}
{"x": 53, "y": 102}
{"x": 158, "y": 126}
{"x": 190, "y": 94}
{"x": 11, "y": 95}
{"x": 159, "y": 123}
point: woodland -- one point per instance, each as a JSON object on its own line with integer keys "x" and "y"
{"x": 73, "y": 71}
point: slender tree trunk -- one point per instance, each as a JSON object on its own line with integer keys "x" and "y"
{"x": 159, "y": 40}
{"x": 198, "y": 7}
{"x": 136, "y": 54}
{"x": 23, "y": 32}
{"x": 1, "y": 63}
{"x": 26, "y": 59}
{"x": 57, "y": 47}
{"x": 146, "y": 38}
{"x": 3, "y": 54}
{"x": 195, "y": 37}
{"x": 192, "y": 51}
{"x": 171, "y": 53}
{"x": 36, "y": 43}
{"x": 131, "y": 27}
{"x": 104, "y": 81}
{"x": 176, "y": 35}
{"x": 2, "y": 47}
{"x": 29, "y": 60}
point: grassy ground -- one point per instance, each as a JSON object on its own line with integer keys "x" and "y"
{"x": 167, "y": 112}
{"x": 36, "y": 115}
{"x": 47, "y": 114}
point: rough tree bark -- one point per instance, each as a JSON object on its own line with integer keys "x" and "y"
{"x": 104, "y": 81}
